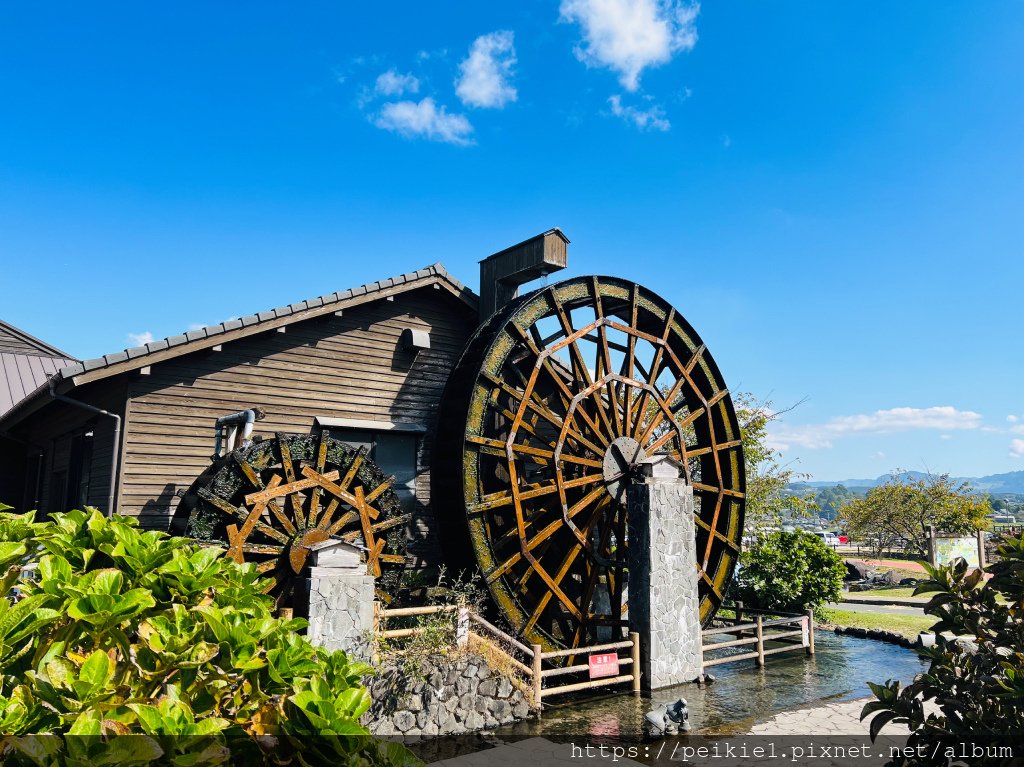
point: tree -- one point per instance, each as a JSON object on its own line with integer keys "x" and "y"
{"x": 788, "y": 571}
{"x": 897, "y": 513}
{"x": 767, "y": 475}
{"x": 830, "y": 500}
{"x": 975, "y": 688}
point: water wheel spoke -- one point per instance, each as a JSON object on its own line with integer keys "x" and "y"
{"x": 540, "y": 455}
{"x": 581, "y": 381}
{"x": 382, "y": 488}
{"x": 367, "y": 530}
{"x": 324, "y": 522}
{"x": 321, "y": 462}
{"x": 281, "y": 518}
{"x": 295, "y": 486}
{"x": 242, "y": 513}
{"x": 547, "y": 532}
{"x": 388, "y": 524}
{"x": 351, "y": 473}
{"x": 252, "y": 488}
{"x": 346, "y": 518}
{"x": 261, "y": 548}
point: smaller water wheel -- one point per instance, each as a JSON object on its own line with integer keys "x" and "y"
{"x": 268, "y": 503}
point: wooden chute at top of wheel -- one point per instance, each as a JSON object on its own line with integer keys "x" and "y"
{"x": 268, "y": 503}
{"x": 555, "y": 401}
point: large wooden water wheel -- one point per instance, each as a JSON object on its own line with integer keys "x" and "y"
{"x": 269, "y": 502}
{"x": 555, "y": 401}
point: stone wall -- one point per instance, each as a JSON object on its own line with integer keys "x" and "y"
{"x": 664, "y": 605}
{"x": 340, "y": 610}
{"x": 445, "y": 696}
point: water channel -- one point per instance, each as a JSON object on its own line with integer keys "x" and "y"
{"x": 742, "y": 696}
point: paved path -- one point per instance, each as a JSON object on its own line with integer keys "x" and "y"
{"x": 823, "y": 721}
{"x": 896, "y": 564}
{"x": 874, "y": 608}
{"x": 830, "y": 719}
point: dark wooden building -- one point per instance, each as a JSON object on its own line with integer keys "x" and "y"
{"x": 370, "y": 363}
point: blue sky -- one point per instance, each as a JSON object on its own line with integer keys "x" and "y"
{"x": 831, "y": 193}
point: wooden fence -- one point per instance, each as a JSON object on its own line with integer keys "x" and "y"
{"x": 529, "y": 660}
{"x": 793, "y": 631}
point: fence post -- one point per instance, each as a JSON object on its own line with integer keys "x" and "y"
{"x": 462, "y": 628}
{"x": 538, "y": 680}
{"x": 375, "y": 653}
{"x": 760, "y": 641}
{"x": 810, "y": 632}
{"x": 933, "y": 555}
{"x": 635, "y": 639}
{"x": 981, "y": 548}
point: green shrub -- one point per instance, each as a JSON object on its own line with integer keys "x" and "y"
{"x": 109, "y": 631}
{"x": 971, "y": 695}
{"x": 788, "y": 571}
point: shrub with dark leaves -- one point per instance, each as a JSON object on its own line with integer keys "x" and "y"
{"x": 973, "y": 690}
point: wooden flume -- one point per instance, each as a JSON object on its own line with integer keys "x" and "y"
{"x": 556, "y": 400}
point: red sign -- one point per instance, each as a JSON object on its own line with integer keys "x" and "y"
{"x": 604, "y": 664}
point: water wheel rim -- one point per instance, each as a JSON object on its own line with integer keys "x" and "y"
{"x": 272, "y": 502}
{"x": 602, "y": 406}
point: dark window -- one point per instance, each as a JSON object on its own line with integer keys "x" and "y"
{"x": 79, "y": 471}
{"x": 394, "y": 452}
{"x": 58, "y": 491}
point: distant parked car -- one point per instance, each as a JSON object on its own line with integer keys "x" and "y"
{"x": 830, "y": 538}
{"x": 843, "y": 538}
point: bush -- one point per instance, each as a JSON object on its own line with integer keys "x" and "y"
{"x": 788, "y": 571}
{"x": 107, "y": 630}
{"x": 976, "y": 689}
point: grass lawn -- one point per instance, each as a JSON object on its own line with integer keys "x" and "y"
{"x": 908, "y": 625}
{"x": 887, "y": 591}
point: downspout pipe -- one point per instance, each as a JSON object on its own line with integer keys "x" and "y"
{"x": 115, "y": 454}
{"x": 245, "y": 418}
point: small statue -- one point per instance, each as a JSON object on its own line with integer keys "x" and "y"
{"x": 669, "y": 720}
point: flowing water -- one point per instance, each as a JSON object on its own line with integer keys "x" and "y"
{"x": 742, "y": 695}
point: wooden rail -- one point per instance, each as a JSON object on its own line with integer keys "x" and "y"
{"x": 801, "y": 625}
{"x": 499, "y": 641}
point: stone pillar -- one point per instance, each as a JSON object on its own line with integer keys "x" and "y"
{"x": 340, "y": 600}
{"x": 664, "y": 607}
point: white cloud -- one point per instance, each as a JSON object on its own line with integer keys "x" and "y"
{"x": 1012, "y": 418}
{"x": 484, "y": 75}
{"x": 395, "y": 83}
{"x": 629, "y": 36}
{"x": 1017, "y": 448}
{"x": 140, "y": 339}
{"x": 815, "y": 436}
{"x": 1018, "y": 429}
{"x": 644, "y": 119}
{"x": 425, "y": 119}
{"x": 945, "y": 436}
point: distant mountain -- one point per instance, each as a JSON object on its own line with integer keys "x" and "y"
{"x": 995, "y": 484}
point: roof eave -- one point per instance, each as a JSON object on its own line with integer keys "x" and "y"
{"x": 126, "y": 361}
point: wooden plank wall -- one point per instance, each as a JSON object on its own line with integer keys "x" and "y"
{"x": 339, "y": 367}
